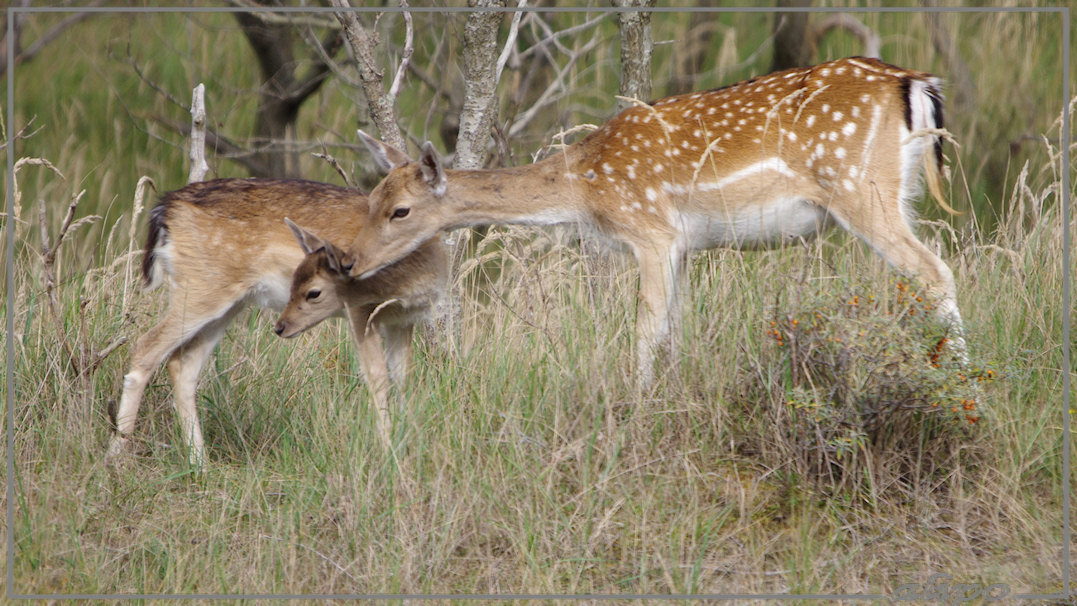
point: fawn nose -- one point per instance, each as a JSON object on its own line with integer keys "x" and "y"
{"x": 279, "y": 328}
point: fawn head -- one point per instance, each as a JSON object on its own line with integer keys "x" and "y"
{"x": 406, "y": 208}
{"x": 317, "y": 284}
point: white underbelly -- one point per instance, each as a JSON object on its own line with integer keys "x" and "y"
{"x": 768, "y": 224}
{"x": 271, "y": 291}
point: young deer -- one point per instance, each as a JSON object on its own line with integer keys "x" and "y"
{"x": 382, "y": 310}
{"x": 224, "y": 245}
{"x": 757, "y": 163}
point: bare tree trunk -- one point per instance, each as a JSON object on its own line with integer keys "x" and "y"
{"x": 480, "y": 84}
{"x": 692, "y": 53}
{"x": 281, "y": 93}
{"x": 637, "y": 46}
{"x": 792, "y": 39}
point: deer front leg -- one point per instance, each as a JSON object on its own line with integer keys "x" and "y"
{"x": 397, "y": 337}
{"x": 369, "y": 348}
{"x": 658, "y": 268}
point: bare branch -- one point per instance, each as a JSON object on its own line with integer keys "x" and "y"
{"x": 362, "y": 45}
{"x": 510, "y": 43}
{"x": 554, "y": 91}
{"x": 297, "y": 19}
{"x": 554, "y": 38}
{"x": 197, "y": 152}
{"x": 336, "y": 166}
{"x": 405, "y": 56}
{"x": 42, "y": 41}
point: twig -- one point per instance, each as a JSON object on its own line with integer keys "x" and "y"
{"x": 100, "y": 356}
{"x": 336, "y": 166}
{"x": 510, "y": 43}
{"x": 405, "y": 56}
{"x": 550, "y": 96}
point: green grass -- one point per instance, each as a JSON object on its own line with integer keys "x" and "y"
{"x": 526, "y": 462}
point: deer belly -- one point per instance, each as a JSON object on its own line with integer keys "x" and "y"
{"x": 271, "y": 291}
{"x": 770, "y": 223}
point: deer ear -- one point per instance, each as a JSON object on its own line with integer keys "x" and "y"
{"x": 307, "y": 241}
{"x": 385, "y": 156}
{"x": 432, "y": 169}
{"x": 335, "y": 257}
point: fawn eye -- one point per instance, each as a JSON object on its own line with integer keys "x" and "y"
{"x": 400, "y": 212}
{"x": 313, "y": 293}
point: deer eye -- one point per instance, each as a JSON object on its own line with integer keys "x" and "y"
{"x": 400, "y": 212}
{"x": 313, "y": 293}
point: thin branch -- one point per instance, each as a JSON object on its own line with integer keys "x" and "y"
{"x": 336, "y": 166}
{"x": 44, "y": 39}
{"x": 405, "y": 56}
{"x": 553, "y": 37}
{"x": 362, "y": 45}
{"x": 510, "y": 43}
{"x": 550, "y": 95}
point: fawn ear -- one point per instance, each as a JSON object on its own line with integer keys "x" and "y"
{"x": 335, "y": 257}
{"x": 307, "y": 241}
{"x": 385, "y": 156}
{"x": 432, "y": 169}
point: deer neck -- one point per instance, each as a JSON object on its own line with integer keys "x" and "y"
{"x": 543, "y": 193}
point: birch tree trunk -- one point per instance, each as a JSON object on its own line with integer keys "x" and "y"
{"x": 480, "y": 84}
{"x": 637, "y": 46}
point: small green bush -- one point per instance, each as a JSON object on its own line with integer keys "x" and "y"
{"x": 860, "y": 392}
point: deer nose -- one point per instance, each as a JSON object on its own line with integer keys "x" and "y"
{"x": 279, "y": 328}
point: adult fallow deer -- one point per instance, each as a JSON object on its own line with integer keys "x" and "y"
{"x": 757, "y": 163}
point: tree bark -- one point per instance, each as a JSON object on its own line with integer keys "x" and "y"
{"x": 792, "y": 40}
{"x": 379, "y": 103}
{"x": 637, "y": 46}
{"x": 480, "y": 84}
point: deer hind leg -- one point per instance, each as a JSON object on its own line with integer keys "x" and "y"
{"x": 180, "y": 325}
{"x": 885, "y": 228}
{"x": 368, "y": 343}
{"x": 184, "y": 366}
{"x": 658, "y": 306}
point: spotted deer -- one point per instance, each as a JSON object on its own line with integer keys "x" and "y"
{"x": 223, "y": 245}
{"x": 757, "y": 163}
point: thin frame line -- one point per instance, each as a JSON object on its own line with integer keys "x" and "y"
{"x": 551, "y": 9}
{"x": 1065, "y": 137}
{"x": 9, "y": 231}
{"x": 1066, "y": 285}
